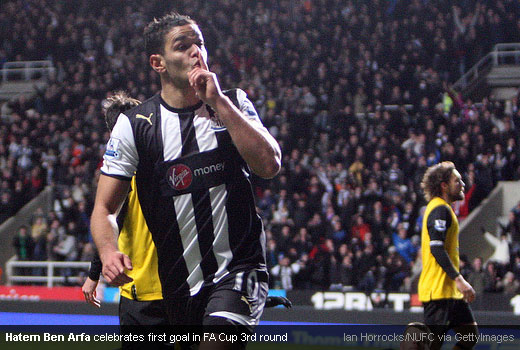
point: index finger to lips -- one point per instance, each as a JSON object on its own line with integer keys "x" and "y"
{"x": 203, "y": 64}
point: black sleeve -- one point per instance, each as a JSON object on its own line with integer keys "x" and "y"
{"x": 95, "y": 268}
{"x": 438, "y": 223}
{"x": 444, "y": 261}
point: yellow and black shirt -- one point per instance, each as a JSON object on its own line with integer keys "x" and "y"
{"x": 440, "y": 252}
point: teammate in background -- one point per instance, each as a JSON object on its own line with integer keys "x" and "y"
{"x": 443, "y": 291}
{"x": 192, "y": 148}
{"x": 141, "y": 298}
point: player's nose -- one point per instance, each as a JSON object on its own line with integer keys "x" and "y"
{"x": 195, "y": 49}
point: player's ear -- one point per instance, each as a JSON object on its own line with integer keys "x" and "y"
{"x": 157, "y": 63}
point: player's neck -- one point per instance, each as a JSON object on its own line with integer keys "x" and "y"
{"x": 446, "y": 198}
{"x": 179, "y": 98}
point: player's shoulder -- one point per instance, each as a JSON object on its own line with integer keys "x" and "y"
{"x": 146, "y": 111}
{"x": 440, "y": 211}
{"x": 239, "y": 98}
{"x": 236, "y": 95}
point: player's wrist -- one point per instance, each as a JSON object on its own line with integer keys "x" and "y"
{"x": 220, "y": 102}
{"x": 106, "y": 253}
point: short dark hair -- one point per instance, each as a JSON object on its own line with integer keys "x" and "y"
{"x": 117, "y": 104}
{"x": 155, "y": 32}
{"x": 434, "y": 176}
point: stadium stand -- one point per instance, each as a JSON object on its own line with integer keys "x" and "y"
{"x": 358, "y": 94}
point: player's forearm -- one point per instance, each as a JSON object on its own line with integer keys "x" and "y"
{"x": 260, "y": 150}
{"x": 442, "y": 258}
{"x": 104, "y": 231}
{"x": 110, "y": 195}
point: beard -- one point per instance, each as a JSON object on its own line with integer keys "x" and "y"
{"x": 457, "y": 196}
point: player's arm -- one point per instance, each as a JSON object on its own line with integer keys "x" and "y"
{"x": 438, "y": 222}
{"x": 110, "y": 196}
{"x": 95, "y": 267}
{"x": 119, "y": 166}
{"x": 258, "y": 148}
{"x": 90, "y": 285}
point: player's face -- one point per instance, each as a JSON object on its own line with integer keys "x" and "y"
{"x": 456, "y": 187}
{"x": 182, "y": 47}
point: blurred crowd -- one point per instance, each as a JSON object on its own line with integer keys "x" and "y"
{"x": 358, "y": 94}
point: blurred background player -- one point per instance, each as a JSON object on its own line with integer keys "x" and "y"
{"x": 141, "y": 297}
{"x": 443, "y": 291}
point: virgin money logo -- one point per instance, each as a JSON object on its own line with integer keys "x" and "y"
{"x": 179, "y": 177}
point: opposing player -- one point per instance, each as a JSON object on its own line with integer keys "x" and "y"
{"x": 192, "y": 148}
{"x": 443, "y": 291}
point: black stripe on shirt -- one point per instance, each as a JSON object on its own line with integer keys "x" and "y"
{"x": 201, "y": 202}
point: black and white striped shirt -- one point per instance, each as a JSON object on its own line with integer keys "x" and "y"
{"x": 194, "y": 190}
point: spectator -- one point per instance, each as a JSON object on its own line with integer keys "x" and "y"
{"x": 24, "y": 247}
{"x": 66, "y": 249}
{"x": 360, "y": 228}
{"x": 283, "y": 273}
{"x": 346, "y": 272}
{"x": 492, "y": 278}
{"x": 501, "y": 254}
{"x": 396, "y": 270}
{"x": 509, "y": 284}
{"x": 338, "y": 233}
{"x": 404, "y": 245}
{"x": 478, "y": 278}
{"x": 6, "y": 207}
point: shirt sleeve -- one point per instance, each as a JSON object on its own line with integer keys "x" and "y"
{"x": 121, "y": 158}
{"x": 249, "y": 111}
{"x": 438, "y": 222}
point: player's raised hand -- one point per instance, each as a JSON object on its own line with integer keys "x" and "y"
{"x": 204, "y": 82}
{"x": 114, "y": 266}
